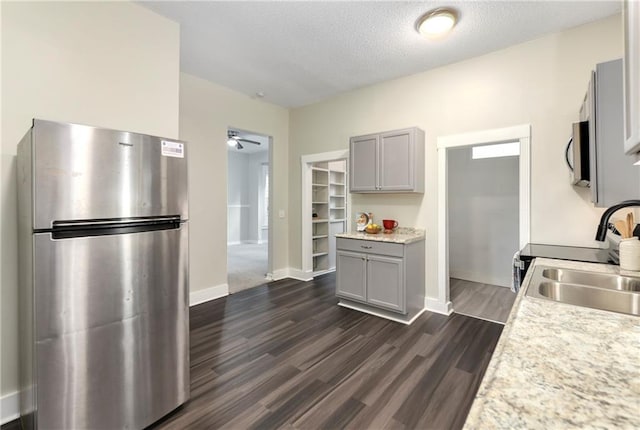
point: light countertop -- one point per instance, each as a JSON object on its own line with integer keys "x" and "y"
{"x": 400, "y": 235}
{"x": 562, "y": 366}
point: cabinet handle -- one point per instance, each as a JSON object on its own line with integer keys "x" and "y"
{"x": 365, "y": 247}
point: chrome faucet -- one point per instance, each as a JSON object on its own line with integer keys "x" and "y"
{"x": 602, "y": 227}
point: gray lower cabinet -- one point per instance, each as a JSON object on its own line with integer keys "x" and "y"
{"x": 392, "y": 161}
{"x": 385, "y": 286}
{"x": 351, "y": 275}
{"x": 381, "y": 275}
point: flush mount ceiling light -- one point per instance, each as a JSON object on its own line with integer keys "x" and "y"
{"x": 436, "y": 22}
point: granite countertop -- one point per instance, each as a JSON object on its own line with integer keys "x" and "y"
{"x": 562, "y": 366}
{"x": 400, "y": 235}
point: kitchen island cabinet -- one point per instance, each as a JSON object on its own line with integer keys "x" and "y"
{"x": 382, "y": 275}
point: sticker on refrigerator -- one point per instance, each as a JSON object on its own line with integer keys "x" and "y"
{"x": 172, "y": 149}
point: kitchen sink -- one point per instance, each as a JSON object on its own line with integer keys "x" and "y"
{"x": 609, "y": 292}
{"x": 593, "y": 279}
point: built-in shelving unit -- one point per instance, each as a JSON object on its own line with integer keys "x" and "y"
{"x": 329, "y": 212}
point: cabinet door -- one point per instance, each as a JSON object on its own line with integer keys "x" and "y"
{"x": 385, "y": 286}
{"x": 631, "y": 19}
{"x": 351, "y": 275}
{"x": 613, "y": 177}
{"x": 397, "y": 154}
{"x": 363, "y": 163}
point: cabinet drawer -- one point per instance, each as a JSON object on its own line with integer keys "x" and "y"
{"x": 371, "y": 247}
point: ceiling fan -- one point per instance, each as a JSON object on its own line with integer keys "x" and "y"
{"x": 234, "y": 140}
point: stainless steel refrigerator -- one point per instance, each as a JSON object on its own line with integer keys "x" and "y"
{"x": 103, "y": 235}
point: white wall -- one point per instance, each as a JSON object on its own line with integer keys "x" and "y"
{"x": 239, "y": 202}
{"x": 541, "y": 82}
{"x": 110, "y": 64}
{"x": 256, "y": 232}
{"x": 483, "y": 216}
{"x": 206, "y": 111}
{"x": 243, "y": 197}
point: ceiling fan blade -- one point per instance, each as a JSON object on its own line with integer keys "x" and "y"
{"x": 247, "y": 140}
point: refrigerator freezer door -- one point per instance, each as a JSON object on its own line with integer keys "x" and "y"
{"x": 85, "y": 173}
{"x": 111, "y": 333}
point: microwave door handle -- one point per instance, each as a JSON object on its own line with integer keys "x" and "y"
{"x": 566, "y": 153}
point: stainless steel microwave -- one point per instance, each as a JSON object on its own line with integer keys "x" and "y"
{"x": 580, "y": 168}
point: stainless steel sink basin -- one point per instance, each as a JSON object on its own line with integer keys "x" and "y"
{"x": 603, "y": 291}
{"x": 601, "y": 280}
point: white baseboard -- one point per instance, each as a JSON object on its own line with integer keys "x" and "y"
{"x": 300, "y": 275}
{"x": 292, "y": 273}
{"x": 211, "y": 293}
{"x": 9, "y": 407}
{"x": 380, "y": 314}
{"x": 435, "y": 305}
{"x": 278, "y": 274}
{"x": 246, "y": 242}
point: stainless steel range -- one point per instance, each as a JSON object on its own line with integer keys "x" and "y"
{"x": 103, "y": 237}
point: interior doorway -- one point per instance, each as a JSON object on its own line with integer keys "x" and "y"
{"x": 492, "y": 182}
{"x": 483, "y": 209}
{"x": 325, "y": 213}
{"x": 248, "y": 212}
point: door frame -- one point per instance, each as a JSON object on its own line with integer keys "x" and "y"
{"x": 521, "y": 133}
{"x": 269, "y": 274}
{"x": 305, "y": 201}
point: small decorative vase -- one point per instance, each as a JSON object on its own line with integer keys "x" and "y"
{"x": 630, "y": 254}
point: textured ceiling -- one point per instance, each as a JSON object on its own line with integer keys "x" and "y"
{"x": 299, "y": 53}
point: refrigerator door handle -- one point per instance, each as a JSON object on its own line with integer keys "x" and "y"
{"x": 115, "y": 222}
{"x": 74, "y": 229}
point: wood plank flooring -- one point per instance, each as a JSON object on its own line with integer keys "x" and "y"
{"x": 284, "y": 355}
{"x": 489, "y": 302}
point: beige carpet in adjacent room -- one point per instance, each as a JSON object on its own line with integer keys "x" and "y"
{"x": 247, "y": 266}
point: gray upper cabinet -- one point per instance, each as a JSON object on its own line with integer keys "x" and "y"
{"x": 363, "y": 159}
{"x": 392, "y": 161}
{"x": 631, "y": 19}
{"x": 613, "y": 177}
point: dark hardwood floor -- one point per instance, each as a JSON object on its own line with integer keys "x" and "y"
{"x": 484, "y": 301}
{"x": 284, "y": 355}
